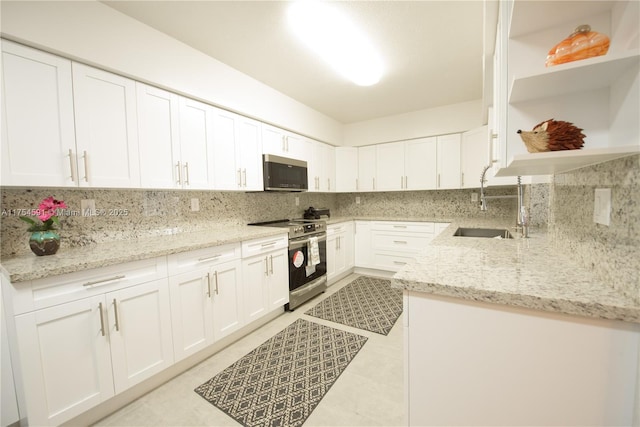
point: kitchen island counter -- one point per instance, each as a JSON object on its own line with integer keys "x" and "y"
{"x": 530, "y": 273}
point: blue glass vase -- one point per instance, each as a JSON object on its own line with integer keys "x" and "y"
{"x": 44, "y": 242}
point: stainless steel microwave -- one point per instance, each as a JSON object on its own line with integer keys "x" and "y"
{"x": 284, "y": 174}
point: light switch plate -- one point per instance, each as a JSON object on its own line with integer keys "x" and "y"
{"x": 602, "y": 206}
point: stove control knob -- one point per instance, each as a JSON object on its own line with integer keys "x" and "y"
{"x": 298, "y": 229}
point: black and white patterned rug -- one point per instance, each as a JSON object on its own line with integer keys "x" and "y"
{"x": 367, "y": 303}
{"x": 282, "y": 381}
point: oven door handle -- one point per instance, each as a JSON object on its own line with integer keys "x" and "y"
{"x": 295, "y": 244}
{"x": 309, "y": 286}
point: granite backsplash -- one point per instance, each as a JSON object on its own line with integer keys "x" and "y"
{"x": 612, "y": 252}
{"x": 127, "y": 214}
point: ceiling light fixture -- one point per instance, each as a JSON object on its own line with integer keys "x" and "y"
{"x": 336, "y": 40}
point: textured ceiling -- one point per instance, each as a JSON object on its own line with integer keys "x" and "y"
{"x": 432, "y": 50}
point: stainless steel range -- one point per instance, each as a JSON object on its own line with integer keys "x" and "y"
{"x": 307, "y": 258}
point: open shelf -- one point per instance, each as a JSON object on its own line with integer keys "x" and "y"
{"x": 572, "y": 77}
{"x": 555, "y": 162}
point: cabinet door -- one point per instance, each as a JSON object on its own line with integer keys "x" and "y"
{"x": 191, "y": 312}
{"x": 421, "y": 164}
{"x": 273, "y": 141}
{"x": 159, "y": 137}
{"x": 37, "y": 117}
{"x": 140, "y": 329}
{"x": 254, "y": 275}
{"x": 195, "y": 169}
{"x": 226, "y": 171}
{"x": 106, "y": 128}
{"x": 348, "y": 246}
{"x": 363, "y": 246}
{"x": 249, "y": 152}
{"x": 367, "y": 168}
{"x": 474, "y": 156}
{"x": 346, "y": 169}
{"x": 65, "y": 359}
{"x": 332, "y": 255}
{"x": 390, "y": 166}
{"x": 278, "y": 280}
{"x": 297, "y": 147}
{"x": 449, "y": 161}
{"x": 226, "y": 293}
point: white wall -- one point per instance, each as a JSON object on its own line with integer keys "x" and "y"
{"x": 90, "y": 32}
{"x": 435, "y": 121}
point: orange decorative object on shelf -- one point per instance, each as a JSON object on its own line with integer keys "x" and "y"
{"x": 581, "y": 44}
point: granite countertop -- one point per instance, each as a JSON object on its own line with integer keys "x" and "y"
{"x": 69, "y": 260}
{"x": 529, "y": 273}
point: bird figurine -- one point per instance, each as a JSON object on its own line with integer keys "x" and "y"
{"x": 552, "y": 135}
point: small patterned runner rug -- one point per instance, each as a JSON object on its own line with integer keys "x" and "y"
{"x": 282, "y": 381}
{"x": 367, "y": 303}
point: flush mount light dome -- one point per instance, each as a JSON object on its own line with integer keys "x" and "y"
{"x": 336, "y": 40}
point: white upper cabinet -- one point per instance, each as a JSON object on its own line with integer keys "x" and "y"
{"x": 598, "y": 95}
{"x": 38, "y": 139}
{"x": 195, "y": 168}
{"x": 421, "y": 164}
{"x": 474, "y": 156}
{"x": 249, "y": 154}
{"x": 237, "y": 152}
{"x": 286, "y": 144}
{"x": 322, "y": 168}
{"x": 390, "y": 173}
{"x": 346, "y": 169}
{"x": 449, "y": 161}
{"x": 106, "y": 128}
{"x": 367, "y": 168}
{"x": 159, "y": 137}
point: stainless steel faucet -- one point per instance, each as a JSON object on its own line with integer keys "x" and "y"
{"x": 522, "y": 218}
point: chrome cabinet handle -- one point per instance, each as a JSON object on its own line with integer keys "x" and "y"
{"x": 179, "y": 166}
{"x": 406, "y": 182}
{"x": 216, "y": 276}
{"x": 266, "y": 266}
{"x": 462, "y": 179}
{"x": 399, "y": 262}
{"x": 115, "y": 312}
{"x": 264, "y": 245}
{"x": 186, "y": 173}
{"x": 208, "y": 285}
{"x": 101, "y": 319}
{"x": 400, "y": 242}
{"x": 438, "y": 180}
{"x": 271, "y": 261}
{"x": 104, "y": 281}
{"x": 356, "y": 184}
{"x": 399, "y": 226}
{"x": 209, "y": 258}
{"x": 72, "y": 166}
{"x": 239, "y": 178}
{"x": 244, "y": 177}
{"x": 86, "y": 166}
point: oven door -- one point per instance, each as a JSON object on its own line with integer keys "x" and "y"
{"x": 301, "y": 269}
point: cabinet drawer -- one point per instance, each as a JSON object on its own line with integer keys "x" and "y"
{"x": 187, "y": 261}
{"x": 339, "y": 228}
{"x": 400, "y": 242}
{"x": 260, "y": 246}
{"x": 64, "y": 288}
{"x": 390, "y": 262}
{"x": 412, "y": 227}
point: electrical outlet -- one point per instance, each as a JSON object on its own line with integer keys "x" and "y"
{"x": 88, "y": 207}
{"x": 602, "y": 206}
{"x": 357, "y": 200}
{"x": 195, "y": 204}
{"x": 297, "y": 201}
{"x": 474, "y": 197}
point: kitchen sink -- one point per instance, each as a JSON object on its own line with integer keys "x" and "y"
{"x": 483, "y": 232}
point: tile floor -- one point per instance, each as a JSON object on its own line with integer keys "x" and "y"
{"x": 369, "y": 392}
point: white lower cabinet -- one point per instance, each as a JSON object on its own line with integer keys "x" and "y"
{"x": 340, "y": 250}
{"x": 206, "y": 305}
{"x": 78, "y": 354}
{"x": 265, "y": 272}
{"x": 477, "y": 363}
